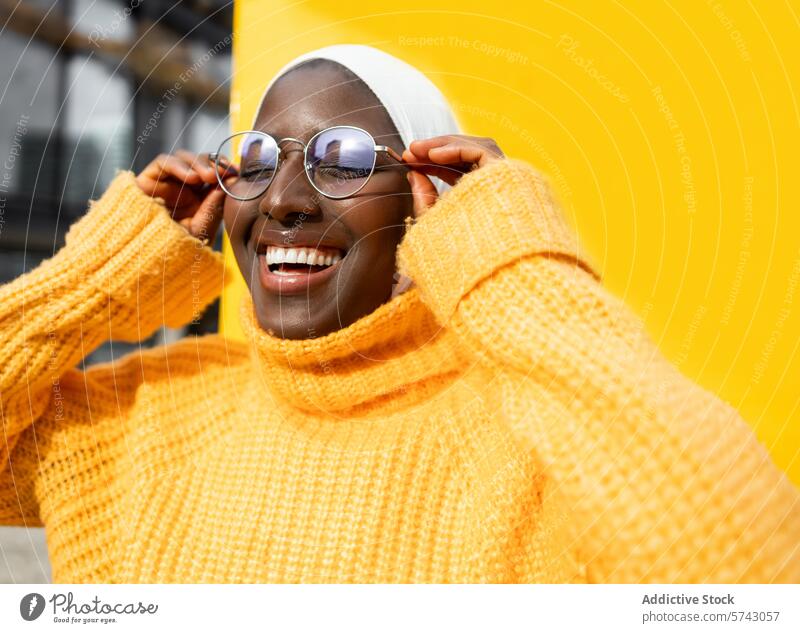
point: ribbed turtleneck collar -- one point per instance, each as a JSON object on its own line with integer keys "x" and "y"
{"x": 375, "y": 359}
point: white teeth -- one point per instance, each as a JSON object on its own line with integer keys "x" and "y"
{"x": 306, "y": 255}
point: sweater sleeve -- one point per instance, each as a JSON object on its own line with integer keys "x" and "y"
{"x": 665, "y": 481}
{"x": 126, "y": 268}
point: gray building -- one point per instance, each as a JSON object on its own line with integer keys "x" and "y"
{"x": 88, "y": 87}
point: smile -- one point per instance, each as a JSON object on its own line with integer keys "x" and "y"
{"x": 288, "y": 261}
{"x": 297, "y": 269}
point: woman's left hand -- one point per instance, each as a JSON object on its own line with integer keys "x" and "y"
{"x": 448, "y": 158}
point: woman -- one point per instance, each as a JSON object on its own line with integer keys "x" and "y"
{"x": 490, "y": 414}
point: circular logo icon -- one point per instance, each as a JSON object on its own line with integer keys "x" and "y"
{"x": 31, "y": 606}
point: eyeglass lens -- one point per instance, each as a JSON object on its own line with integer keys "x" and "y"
{"x": 339, "y": 161}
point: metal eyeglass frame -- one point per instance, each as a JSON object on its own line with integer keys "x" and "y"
{"x": 215, "y": 157}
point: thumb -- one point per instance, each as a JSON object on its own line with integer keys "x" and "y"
{"x": 423, "y": 192}
{"x": 207, "y": 218}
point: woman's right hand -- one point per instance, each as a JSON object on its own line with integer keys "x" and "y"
{"x": 188, "y": 184}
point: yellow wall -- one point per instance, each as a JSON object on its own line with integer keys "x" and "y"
{"x": 669, "y": 129}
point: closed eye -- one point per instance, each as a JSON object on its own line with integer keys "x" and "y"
{"x": 257, "y": 171}
{"x": 341, "y": 171}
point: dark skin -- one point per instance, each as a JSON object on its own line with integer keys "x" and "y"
{"x": 368, "y": 227}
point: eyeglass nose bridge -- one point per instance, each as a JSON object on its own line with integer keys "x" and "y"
{"x": 290, "y": 139}
{"x": 306, "y": 166}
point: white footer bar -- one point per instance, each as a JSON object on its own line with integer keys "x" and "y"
{"x": 401, "y": 608}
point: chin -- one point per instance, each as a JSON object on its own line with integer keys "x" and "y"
{"x": 297, "y": 318}
{"x": 316, "y": 310}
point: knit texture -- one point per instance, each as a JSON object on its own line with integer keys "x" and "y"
{"x": 505, "y": 420}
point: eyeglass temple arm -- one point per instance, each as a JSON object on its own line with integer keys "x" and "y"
{"x": 388, "y": 150}
{"x": 216, "y": 157}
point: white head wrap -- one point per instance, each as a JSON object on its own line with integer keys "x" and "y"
{"x": 417, "y": 107}
{"x": 414, "y": 104}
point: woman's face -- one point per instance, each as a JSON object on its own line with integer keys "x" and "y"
{"x": 364, "y": 229}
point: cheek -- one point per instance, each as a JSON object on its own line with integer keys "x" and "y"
{"x": 230, "y": 211}
{"x": 378, "y": 229}
{"x": 237, "y": 217}
{"x": 383, "y": 214}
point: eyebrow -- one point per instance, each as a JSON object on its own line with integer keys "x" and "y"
{"x": 319, "y": 128}
{"x": 311, "y": 133}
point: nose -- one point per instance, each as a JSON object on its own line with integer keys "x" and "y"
{"x": 290, "y": 194}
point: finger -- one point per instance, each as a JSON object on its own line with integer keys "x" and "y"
{"x": 180, "y": 202}
{"x": 209, "y": 216}
{"x": 175, "y": 195}
{"x": 199, "y": 163}
{"x": 455, "y": 159}
{"x": 448, "y": 173}
{"x": 459, "y": 149}
{"x": 423, "y": 192}
{"x": 226, "y": 167}
{"x": 169, "y": 166}
{"x": 457, "y": 153}
{"x": 423, "y": 146}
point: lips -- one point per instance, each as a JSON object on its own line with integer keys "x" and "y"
{"x": 292, "y": 279}
{"x": 297, "y": 269}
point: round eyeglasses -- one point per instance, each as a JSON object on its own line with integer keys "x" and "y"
{"x": 338, "y": 161}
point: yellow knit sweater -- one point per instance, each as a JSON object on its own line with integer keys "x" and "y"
{"x": 506, "y": 420}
